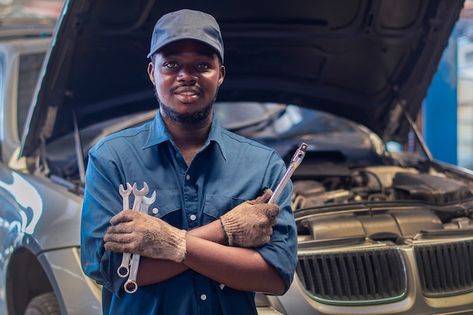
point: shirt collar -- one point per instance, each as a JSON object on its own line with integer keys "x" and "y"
{"x": 159, "y": 134}
{"x": 215, "y": 135}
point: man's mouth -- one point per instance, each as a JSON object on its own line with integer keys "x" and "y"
{"x": 187, "y": 95}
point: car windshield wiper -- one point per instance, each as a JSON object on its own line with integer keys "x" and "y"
{"x": 259, "y": 122}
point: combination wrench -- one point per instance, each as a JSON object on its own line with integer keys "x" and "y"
{"x": 130, "y": 285}
{"x": 124, "y": 269}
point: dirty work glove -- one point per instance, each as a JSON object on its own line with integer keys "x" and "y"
{"x": 250, "y": 224}
{"x": 139, "y": 233}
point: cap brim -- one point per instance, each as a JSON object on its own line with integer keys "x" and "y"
{"x": 162, "y": 45}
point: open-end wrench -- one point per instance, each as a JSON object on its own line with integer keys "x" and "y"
{"x": 295, "y": 162}
{"x": 139, "y": 194}
{"x": 124, "y": 269}
{"x": 130, "y": 285}
{"x": 125, "y": 193}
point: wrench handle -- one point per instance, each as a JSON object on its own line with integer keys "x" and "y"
{"x": 125, "y": 203}
{"x": 137, "y": 203}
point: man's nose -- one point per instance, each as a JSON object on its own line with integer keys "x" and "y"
{"x": 187, "y": 74}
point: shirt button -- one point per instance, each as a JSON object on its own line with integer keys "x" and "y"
{"x": 193, "y": 217}
{"x": 155, "y": 210}
{"x": 188, "y": 177}
{"x": 203, "y": 297}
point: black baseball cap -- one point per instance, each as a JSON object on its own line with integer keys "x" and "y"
{"x": 186, "y": 24}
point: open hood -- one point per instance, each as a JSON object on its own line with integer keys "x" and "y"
{"x": 359, "y": 59}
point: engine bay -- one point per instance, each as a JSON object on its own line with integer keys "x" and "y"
{"x": 379, "y": 203}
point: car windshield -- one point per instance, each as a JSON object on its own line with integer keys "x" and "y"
{"x": 272, "y": 120}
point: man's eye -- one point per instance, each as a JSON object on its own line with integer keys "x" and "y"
{"x": 170, "y": 65}
{"x": 202, "y": 66}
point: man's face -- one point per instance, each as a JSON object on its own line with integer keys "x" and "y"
{"x": 186, "y": 75}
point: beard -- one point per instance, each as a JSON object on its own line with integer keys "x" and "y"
{"x": 193, "y": 118}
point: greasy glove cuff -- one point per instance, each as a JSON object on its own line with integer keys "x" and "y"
{"x": 231, "y": 227}
{"x": 177, "y": 243}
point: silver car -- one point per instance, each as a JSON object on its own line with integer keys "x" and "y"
{"x": 380, "y": 231}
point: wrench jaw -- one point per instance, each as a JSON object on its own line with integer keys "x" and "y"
{"x": 147, "y": 202}
{"x": 125, "y": 193}
{"x": 139, "y": 194}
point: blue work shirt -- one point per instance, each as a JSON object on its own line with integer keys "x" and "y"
{"x": 228, "y": 170}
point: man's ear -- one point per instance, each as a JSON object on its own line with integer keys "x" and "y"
{"x": 151, "y": 72}
{"x": 222, "y": 75}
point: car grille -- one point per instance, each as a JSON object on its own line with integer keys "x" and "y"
{"x": 445, "y": 269}
{"x": 357, "y": 277}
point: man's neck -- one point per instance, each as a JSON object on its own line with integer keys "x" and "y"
{"x": 189, "y": 137}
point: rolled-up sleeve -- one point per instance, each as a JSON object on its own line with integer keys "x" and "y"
{"x": 101, "y": 202}
{"x": 281, "y": 251}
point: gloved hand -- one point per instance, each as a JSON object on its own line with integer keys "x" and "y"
{"x": 250, "y": 224}
{"x": 139, "y": 233}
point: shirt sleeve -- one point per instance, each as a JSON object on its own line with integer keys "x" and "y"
{"x": 101, "y": 202}
{"x": 281, "y": 251}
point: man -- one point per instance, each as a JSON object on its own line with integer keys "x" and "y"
{"x": 204, "y": 249}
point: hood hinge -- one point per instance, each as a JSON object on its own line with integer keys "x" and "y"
{"x": 40, "y": 164}
{"x": 394, "y": 119}
{"x": 79, "y": 149}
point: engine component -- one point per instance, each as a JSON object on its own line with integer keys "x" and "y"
{"x": 412, "y": 222}
{"x": 459, "y": 223}
{"x": 334, "y": 227}
{"x": 304, "y": 190}
{"x": 428, "y": 188}
{"x": 309, "y": 193}
{"x": 386, "y": 173}
{"x": 378, "y": 226}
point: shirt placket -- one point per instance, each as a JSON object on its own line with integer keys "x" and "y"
{"x": 188, "y": 177}
{"x": 190, "y": 200}
{"x": 189, "y": 192}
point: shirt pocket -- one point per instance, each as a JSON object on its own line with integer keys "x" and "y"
{"x": 167, "y": 207}
{"x": 217, "y": 205}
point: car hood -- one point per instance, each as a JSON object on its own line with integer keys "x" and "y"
{"x": 363, "y": 60}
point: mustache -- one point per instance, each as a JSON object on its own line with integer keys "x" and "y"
{"x": 187, "y": 88}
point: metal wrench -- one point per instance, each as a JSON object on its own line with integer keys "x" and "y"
{"x": 139, "y": 194}
{"x": 130, "y": 285}
{"x": 125, "y": 193}
{"x": 124, "y": 269}
{"x": 295, "y": 162}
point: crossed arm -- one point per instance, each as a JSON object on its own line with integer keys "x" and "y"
{"x": 168, "y": 251}
{"x": 238, "y": 268}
